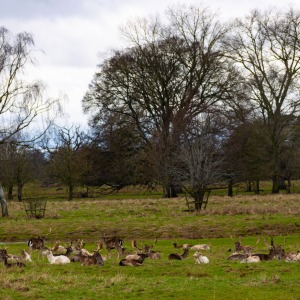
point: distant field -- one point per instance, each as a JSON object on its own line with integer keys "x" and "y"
{"x": 167, "y": 220}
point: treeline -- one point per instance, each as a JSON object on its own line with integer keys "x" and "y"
{"x": 192, "y": 101}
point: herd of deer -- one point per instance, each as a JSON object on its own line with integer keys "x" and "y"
{"x": 76, "y": 252}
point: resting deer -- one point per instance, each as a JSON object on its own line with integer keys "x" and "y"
{"x": 13, "y": 264}
{"x": 95, "y": 259}
{"x": 200, "y": 259}
{"x": 177, "y": 256}
{"x": 183, "y": 246}
{"x": 133, "y": 260}
{"x": 275, "y": 251}
{"x": 243, "y": 248}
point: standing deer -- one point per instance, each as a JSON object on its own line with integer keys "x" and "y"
{"x": 36, "y": 244}
{"x": 111, "y": 243}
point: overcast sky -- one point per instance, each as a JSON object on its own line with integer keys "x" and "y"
{"x": 70, "y": 34}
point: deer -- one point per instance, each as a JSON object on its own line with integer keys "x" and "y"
{"x": 13, "y": 264}
{"x": 133, "y": 260}
{"x": 37, "y": 243}
{"x": 251, "y": 259}
{"x": 177, "y": 256}
{"x": 200, "y": 259}
{"x": 183, "y": 246}
{"x": 57, "y": 260}
{"x": 3, "y": 254}
{"x": 111, "y": 243}
{"x": 275, "y": 251}
{"x": 95, "y": 259}
{"x": 243, "y": 248}
{"x": 147, "y": 250}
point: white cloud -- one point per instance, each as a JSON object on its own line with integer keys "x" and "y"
{"x": 71, "y": 33}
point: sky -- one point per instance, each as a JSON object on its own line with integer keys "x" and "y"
{"x": 71, "y": 36}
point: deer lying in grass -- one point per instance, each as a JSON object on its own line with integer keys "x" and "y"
{"x": 177, "y": 256}
{"x": 200, "y": 259}
{"x": 95, "y": 259}
{"x": 275, "y": 251}
{"x": 57, "y": 260}
{"x": 251, "y": 259}
{"x": 292, "y": 257}
{"x": 13, "y": 264}
{"x": 243, "y": 248}
{"x": 133, "y": 260}
{"x": 200, "y": 247}
{"x": 21, "y": 258}
{"x": 3, "y": 254}
{"x": 183, "y": 246}
{"x": 147, "y": 250}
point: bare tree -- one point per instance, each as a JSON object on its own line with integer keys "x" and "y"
{"x": 201, "y": 160}
{"x": 67, "y": 161}
{"x": 172, "y": 72}
{"x": 265, "y": 47}
{"x": 21, "y": 103}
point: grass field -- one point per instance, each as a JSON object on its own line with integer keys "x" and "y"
{"x": 168, "y": 221}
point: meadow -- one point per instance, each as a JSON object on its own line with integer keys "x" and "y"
{"x": 148, "y": 219}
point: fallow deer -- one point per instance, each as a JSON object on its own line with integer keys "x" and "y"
{"x": 111, "y": 243}
{"x": 177, "y": 256}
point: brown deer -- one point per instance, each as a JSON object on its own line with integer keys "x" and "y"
{"x": 177, "y": 256}
{"x": 13, "y": 264}
{"x": 37, "y": 243}
{"x": 183, "y": 246}
{"x": 95, "y": 259}
{"x": 275, "y": 251}
{"x": 243, "y": 248}
{"x": 111, "y": 243}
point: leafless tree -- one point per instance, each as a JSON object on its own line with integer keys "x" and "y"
{"x": 201, "y": 161}
{"x": 21, "y": 103}
{"x": 67, "y": 160}
{"x": 265, "y": 48}
{"x": 171, "y": 72}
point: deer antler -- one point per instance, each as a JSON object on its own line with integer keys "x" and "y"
{"x": 268, "y": 245}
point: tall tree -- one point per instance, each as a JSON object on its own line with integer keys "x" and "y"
{"x": 21, "y": 103}
{"x": 171, "y": 72}
{"x": 265, "y": 47}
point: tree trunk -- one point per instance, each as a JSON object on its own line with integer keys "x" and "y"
{"x": 230, "y": 188}
{"x": 20, "y": 191}
{"x": 71, "y": 193}
{"x": 275, "y": 185}
{"x": 257, "y": 187}
{"x": 198, "y": 197}
{"x": 169, "y": 192}
{"x": 10, "y": 192}
{"x": 3, "y": 203}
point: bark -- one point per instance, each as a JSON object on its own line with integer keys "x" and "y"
{"x": 3, "y": 202}
{"x": 20, "y": 191}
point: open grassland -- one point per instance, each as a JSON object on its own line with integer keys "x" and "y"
{"x": 166, "y": 220}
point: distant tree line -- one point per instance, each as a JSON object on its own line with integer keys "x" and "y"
{"x": 192, "y": 101}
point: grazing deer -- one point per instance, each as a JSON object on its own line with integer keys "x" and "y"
{"x": 111, "y": 243}
{"x": 243, "y": 248}
{"x": 177, "y": 256}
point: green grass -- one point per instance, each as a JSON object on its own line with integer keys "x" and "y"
{"x": 167, "y": 220}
